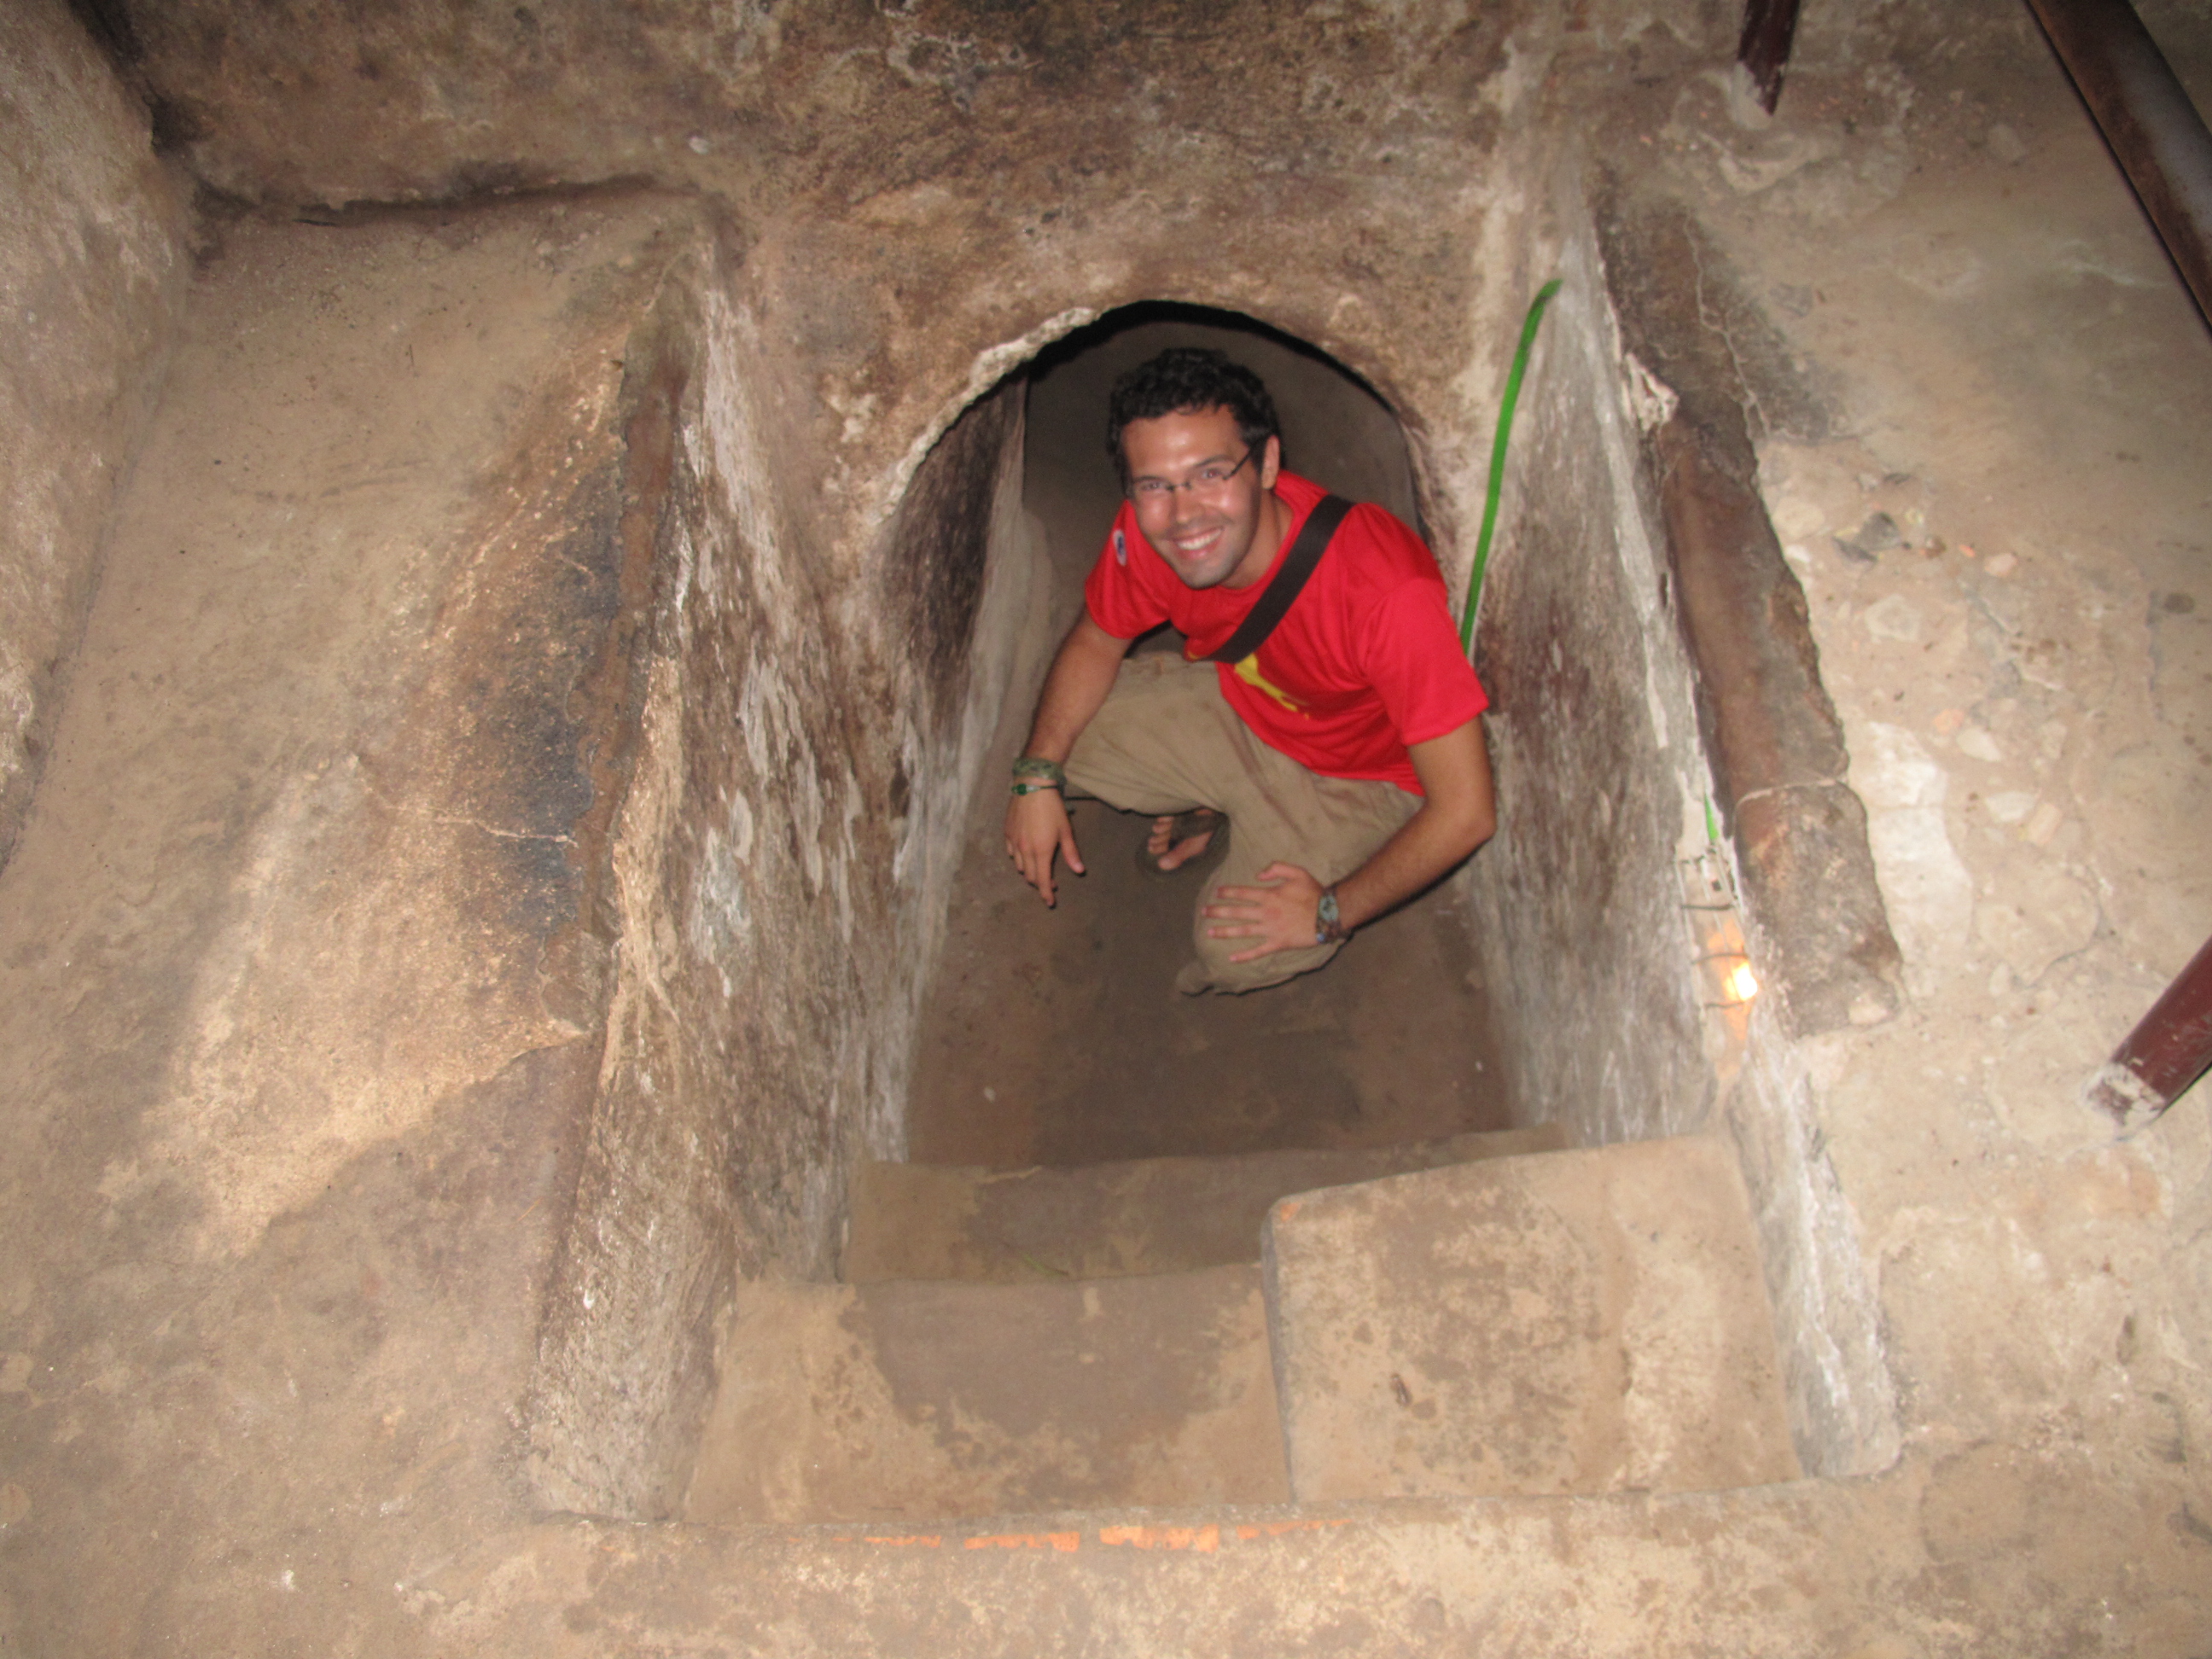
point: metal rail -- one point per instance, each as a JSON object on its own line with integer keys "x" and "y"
{"x": 1769, "y": 26}
{"x": 2167, "y": 1051}
{"x": 2155, "y": 131}
{"x": 2159, "y": 140}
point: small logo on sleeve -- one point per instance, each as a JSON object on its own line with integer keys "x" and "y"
{"x": 1120, "y": 547}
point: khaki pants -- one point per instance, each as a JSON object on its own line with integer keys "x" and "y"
{"x": 1166, "y": 741}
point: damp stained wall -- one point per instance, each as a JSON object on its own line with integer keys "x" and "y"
{"x": 923, "y": 184}
{"x": 1608, "y": 1019}
{"x": 94, "y": 257}
{"x": 808, "y": 735}
{"x": 1577, "y": 899}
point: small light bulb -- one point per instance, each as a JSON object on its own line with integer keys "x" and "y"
{"x": 1743, "y": 984}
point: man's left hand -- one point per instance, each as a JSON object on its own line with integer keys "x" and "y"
{"x": 1279, "y": 913}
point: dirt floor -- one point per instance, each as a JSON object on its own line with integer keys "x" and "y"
{"x": 1057, "y": 1036}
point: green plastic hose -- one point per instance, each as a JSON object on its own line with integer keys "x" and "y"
{"x": 1497, "y": 460}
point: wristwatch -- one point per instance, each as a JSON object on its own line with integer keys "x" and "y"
{"x": 1329, "y": 927}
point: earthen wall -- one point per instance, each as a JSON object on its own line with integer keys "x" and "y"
{"x": 807, "y": 735}
{"x": 93, "y": 263}
{"x": 1606, "y": 909}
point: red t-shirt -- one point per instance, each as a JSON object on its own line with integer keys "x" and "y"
{"x": 1365, "y": 662}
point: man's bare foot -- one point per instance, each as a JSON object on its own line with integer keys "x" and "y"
{"x": 1177, "y": 841}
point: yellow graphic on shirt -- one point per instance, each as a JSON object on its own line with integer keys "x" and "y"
{"x": 1248, "y": 671}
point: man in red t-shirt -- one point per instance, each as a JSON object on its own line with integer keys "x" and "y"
{"x": 1342, "y": 760}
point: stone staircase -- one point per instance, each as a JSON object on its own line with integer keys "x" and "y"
{"x": 1489, "y": 1314}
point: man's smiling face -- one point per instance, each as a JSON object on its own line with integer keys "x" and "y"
{"x": 1209, "y": 533}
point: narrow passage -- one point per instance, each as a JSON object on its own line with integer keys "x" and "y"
{"x": 1056, "y": 1036}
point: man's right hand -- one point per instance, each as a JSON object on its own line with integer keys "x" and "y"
{"x": 1082, "y": 673}
{"x": 1037, "y": 830}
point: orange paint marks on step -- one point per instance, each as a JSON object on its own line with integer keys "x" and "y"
{"x": 917, "y": 1540}
{"x": 1064, "y": 1542}
{"x": 1204, "y": 1541}
{"x": 1277, "y": 1528}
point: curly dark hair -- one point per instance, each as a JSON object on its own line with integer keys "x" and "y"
{"x": 1183, "y": 379}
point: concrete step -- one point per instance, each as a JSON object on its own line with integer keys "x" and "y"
{"x": 1572, "y": 1322}
{"x": 1152, "y": 1215}
{"x": 913, "y": 1402}
{"x": 1891, "y": 1565}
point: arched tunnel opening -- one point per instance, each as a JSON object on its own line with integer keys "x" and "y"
{"x": 1054, "y": 1037}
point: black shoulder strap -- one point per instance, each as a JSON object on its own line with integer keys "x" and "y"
{"x": 1275, "y": 603}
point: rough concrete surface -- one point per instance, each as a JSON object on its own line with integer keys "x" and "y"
{"x": 779, "y": 869}
{"x": 1102, "y": 1220}
{"x": 1611, "y": 864}
{"x": 2020, "y": 389}
{"x": 940, "y": 189}
{"x": 293, "y": 1105}
{"x": 899, "y": 1404}
{"x": 336, "y": 956}
{"x": 1953, "y": 1557}
{"x": 1574, "y": 1321}
{"x": 93, "y": 257}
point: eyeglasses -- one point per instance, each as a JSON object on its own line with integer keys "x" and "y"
{"x": 1205, "y": 481}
